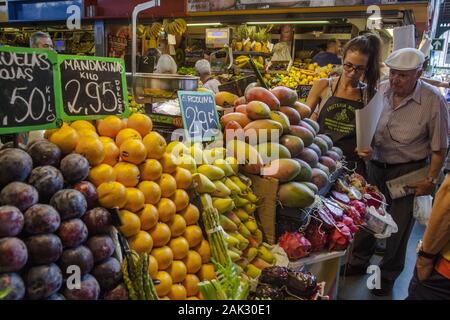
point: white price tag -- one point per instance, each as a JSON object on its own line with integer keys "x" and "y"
{"x": 270, "y": 45}
{"x": 171, "y": 39}
{"x": 245, "y": 41}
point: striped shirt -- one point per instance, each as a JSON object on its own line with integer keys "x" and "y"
{"x": 417, "y": 127}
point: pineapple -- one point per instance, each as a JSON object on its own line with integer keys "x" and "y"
{"x": 238, "y": 45}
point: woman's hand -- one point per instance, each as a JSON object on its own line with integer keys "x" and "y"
{"x": 365, "y": 154}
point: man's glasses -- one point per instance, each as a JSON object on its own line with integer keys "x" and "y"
{"x": 349, "y": 68}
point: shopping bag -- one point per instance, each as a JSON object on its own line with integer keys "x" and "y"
{"x": 422, "y": 209}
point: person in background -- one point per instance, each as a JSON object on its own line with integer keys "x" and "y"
{"x": 334, "y": 100}
{"x": 203, "y": 68}
{"x": 330, "y": 56}
{"x": 431, "y": 279}
{"x": 41, "y": 40}
{"x": 166, "y": 64}
{"x": 411, "y": 134}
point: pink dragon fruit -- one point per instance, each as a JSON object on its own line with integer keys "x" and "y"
{"x": 348, "y": 221}
{"x": 340, "y": 238}
{"x": 295, "y": 245}
{"x": 316, "y": 236}
{"x": 354, "y": 214}
{"x": 358, "y": 206}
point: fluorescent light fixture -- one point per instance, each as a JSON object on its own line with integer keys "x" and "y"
{"x": 289, "y": 22}
{"x": 205, "y": 24}
{"x": 376, "y": 17}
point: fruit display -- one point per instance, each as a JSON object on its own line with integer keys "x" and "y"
{"x": 138, "y": 173}
{"x": 247, "y": 38}
{"x": 298, "y": 76}
{"x": 52, "y": 229}
{"x": 134, "y": 106}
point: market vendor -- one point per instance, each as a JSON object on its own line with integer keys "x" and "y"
{"x": 330, "y": 56}
{"x": 41, "y": 40}
{"x": 166, "y": 64}
{"x": 203, "y": 68}
{"x": 411, "y": 134}
{"x": 334, "y": 100}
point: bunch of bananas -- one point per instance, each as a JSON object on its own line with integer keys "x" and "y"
{"x": 154, "y": 30}
{"x": 244, "y": 61}
{"x": 177, "y": 26}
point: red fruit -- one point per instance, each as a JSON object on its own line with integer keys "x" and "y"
{"x": 74, "y": 168}
{"x": 359, "y": 206}
{"x": 72, "y": 233}
{"x": 316, "y": 236}
{"x": 340, "y": 238}
{"x": 13, "y": 282}
{"x": 108, "y": 274}
{"x": 11, "y": 221}
{"x": 16, "y": 165}
{"x": 295, "y": 245}
{"x": 45, "y": 153}
{"x": 89, "y": 192}
{"x": 97, "y": 220}
{"x": 69, "y": 203}
{"x": 102, "y": 247}
{"x": 118, "y": 293}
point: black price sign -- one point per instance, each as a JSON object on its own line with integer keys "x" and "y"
{"x": 199, "y": 114}
{"x": 92, "y": 87}
{"x": 29, "y": 96}
{"x": 303, "y": 91}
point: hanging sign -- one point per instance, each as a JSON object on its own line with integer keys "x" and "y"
{"x": 92, "y": 87}
{"x": 29, "y": 89}
{"x": 199, "y": 114}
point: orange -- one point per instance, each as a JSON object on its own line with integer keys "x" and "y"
{"x": 168, "y": 185}
{"x": 82, "y": 124}
{"x": 109, "y": 126}
{"x": 177, "y": 292}
{"x": 180, "y": 247}
{"x": 191, "y": 214}
{"x": 168, "y": 162}
{"x": 102, "y": 173}
{"x": 131, "y": 224}
{"x": 49, "y": 132}
{"x": 204, "y": 250}
{"x": 165, "y": 283}
{"x": 124, "y": 122}
{"x": 207, "y": 272}
{"x": 104, "y": 139}
{"x": 193, "y": 261}
{"x": 181, "y": 199}
{"x": 183, "y": 178}
{"x": 148, "y": 216}
{"x": 65, "y": 138}
{"x": 141, "y": 123}
{"x": 92, "y": 149}
{"x": 191, "y": 284}
{"x": 135, "y": 200}
{"x": 152, "y": 266}
{"x": 177, "y": 225}
{"x": 193, "y": 235}
{"x": 127, "y": 174}
{"x": 166, "y": 209}
{"x": 142, "y": 242}
{"x": 164, "y": 256}
{"x": 155, "y": 145}
{"x": 160, "y": 234}
{"x": 177, "y": 271}
{"x": 111, "y": 195}
{"x": 112, "y": 152}
{"x": 87, "y": 133}
{"x": 133, "y": 150}
{"x": 151, "y": 170}
{"x": 151, "y": 190}
{"x": 126, "y": 134}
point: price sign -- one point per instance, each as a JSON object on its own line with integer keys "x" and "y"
{"x": 29, "y": 90}
{"x": 303, "y": 91}
{"x": 92, "y": 87}
{"x": 199, "y": 114}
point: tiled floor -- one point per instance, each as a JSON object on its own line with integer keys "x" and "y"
{"x": 355, "y": 288}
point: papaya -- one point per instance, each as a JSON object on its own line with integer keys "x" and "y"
{"x": 302, "y": 109}
{"x": 257, "y": 110}
{"x": 246, "y": 155}
{"x": 271, "y": 150}
{"x": 263, "y": 131}
{"x": 282, "y": 119}
{"x": 295, "y": 195}
{"x": 303, "y": 133}
{"x": 240, "y": 118}
{"x": 292, "y": 114}
{"x": 225, "y": 99}
{"x": 293, "y": 143}
{"x": 263, "y": 95}
{"x": 285, "y": 95}
{"x": 282, "y": 169}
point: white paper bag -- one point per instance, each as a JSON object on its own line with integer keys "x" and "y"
{"x": 422, "y": 209}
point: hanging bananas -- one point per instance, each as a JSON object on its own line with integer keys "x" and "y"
{"x": 154, "y": 30}
{"x": 177, "y": 26}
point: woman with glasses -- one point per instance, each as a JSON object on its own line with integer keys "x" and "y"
{"x": 334, "y": 100}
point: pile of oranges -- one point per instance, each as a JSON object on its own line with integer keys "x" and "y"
{"x": 133, "y": 171}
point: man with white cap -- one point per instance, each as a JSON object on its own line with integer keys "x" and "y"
{"x": 203, "y": 68}
{"x": 411, "y": 134}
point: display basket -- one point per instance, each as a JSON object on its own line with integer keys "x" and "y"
{"x": 237, "y": 87}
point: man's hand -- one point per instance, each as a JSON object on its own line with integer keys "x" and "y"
{"x": 422, "y": 188}
{"x": 424, "y": 267}
{"x": 365, "y": 154}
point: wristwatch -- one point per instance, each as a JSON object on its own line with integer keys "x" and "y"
{"x": 422, "y": 253}
{"x": 432, "y": 180}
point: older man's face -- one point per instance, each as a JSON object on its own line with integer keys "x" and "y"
{"x": 44, "y": 43}
{"x": 403, "y": 82}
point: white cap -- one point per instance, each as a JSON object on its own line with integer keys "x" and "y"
{"x": 203, "y": 67}
{"x": 405, "y": 59}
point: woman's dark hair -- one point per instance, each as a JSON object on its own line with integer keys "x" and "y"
{"x": 369, "y": 44}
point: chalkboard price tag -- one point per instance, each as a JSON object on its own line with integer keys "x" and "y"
{"x": 29, "y": 90}
{"x": 303, "y": 91}
{"x": 92, "y": 87}
{"x": 199, "y": 114}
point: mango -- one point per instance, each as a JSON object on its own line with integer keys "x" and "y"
{"x": 239, "y": 101}
{"x": 240, "y": 118}
{"x": 295, "y": 195}
{"x": 246, "y": 155}
{"x": 282, "y": 119}
{"x": 257, "y": 110}
{"x": 241, "y": 108}
{"x": 293, "y": 143}
{"x": 225, "y": 99}
{"x": 212, "y": 172}
{"x": 306, "y": 135}
{"x": 282, "y": 169}
{"x": 285, "y": 95}
{"x": 271, "y": 150}
{"x": 259, "y": 131}
{"x": 305, "y": 173}
{"x": 313, "y": 124}
{"x": 263, "y": 95}
{"x": 292, "y": 114}
{"x": 312, "y": 186}
{"x": 302, "y": 109}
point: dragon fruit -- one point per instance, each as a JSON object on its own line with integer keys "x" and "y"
{"x": 358, "y": 206}
{"x": 340, "y": 238}
{"x": 316, "y": 236}
{"x": 339, "y": 196}
{"x": 295, "y": 245}
{"x": 334, "y": 208}
{"x": 354, "y": 214}
{"x": 326, "y": 217}
{"x": 348, "y": 221}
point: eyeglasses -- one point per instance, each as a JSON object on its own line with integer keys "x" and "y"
{"x": 349, "y": 68}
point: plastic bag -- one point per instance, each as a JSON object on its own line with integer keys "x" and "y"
{"x": 422, "y": 209}
{"x": 381, "y": 225}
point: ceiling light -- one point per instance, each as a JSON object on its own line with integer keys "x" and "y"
{"x": 205, "y": 24}
{"x": 289, "y": 22}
